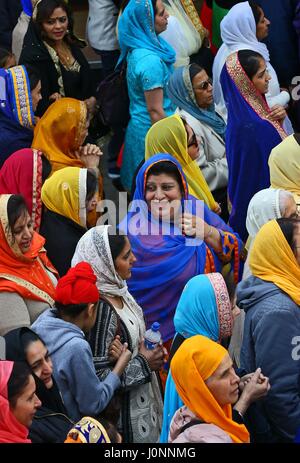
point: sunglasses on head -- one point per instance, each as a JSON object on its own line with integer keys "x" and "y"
{"x": 204, "y": 85}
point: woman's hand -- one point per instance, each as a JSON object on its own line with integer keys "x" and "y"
{"x": 90, "y": 155}
{"x": 115, "y": 349}
{"x": 123, "y": 360}
{"x": 256, "y": 386}
{"x": 278, "y": 113}
{"x": 91, "y": 104}
{"x": 155, "y": 357}
{"x": 55, "y": 96}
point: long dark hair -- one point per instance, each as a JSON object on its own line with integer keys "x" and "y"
{"x": 249, "y": 60}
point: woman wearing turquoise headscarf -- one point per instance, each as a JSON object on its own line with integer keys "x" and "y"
{"x": 204, "y": 308}
{"x": 190, "y": 89}
{"x": 149, "y": 65}
{"x": 19, "y": 96}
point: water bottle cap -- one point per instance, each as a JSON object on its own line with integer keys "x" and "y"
{"x": 155, "y": 326}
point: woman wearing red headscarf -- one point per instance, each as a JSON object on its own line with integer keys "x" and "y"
{"x": 18, "y": 402}
{"x": 23, "y": 173}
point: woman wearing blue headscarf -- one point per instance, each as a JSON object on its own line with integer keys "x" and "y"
{"x": 190, "y": 89}
{"x": 204, "y": 308}
{"x": 20, "y": 92}
{"x": 149, "y": 64}
{"x": 163, "y": 239}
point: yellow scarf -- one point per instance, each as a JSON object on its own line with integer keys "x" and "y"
{"x": 284, "y": 163}
{"x": 169, "y": 136}
{"x": 194, "y": 362}
{"x": 65, "y": 193}
{"x": 272, "y": 259}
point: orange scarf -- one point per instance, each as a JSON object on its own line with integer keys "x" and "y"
{"x": 195, "y": 361}
{"x": 61, "y": 131}
{"x": 24, "y": 273}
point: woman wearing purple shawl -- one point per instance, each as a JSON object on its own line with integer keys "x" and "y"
{"x": 165, "y": 225}
{"x": 253, "y": 130}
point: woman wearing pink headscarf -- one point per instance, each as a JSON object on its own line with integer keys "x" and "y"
{"x": 18, "y": 402}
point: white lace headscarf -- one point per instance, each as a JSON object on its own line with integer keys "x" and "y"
{"x": 93, "y": 247}
{"x": 264, "y": 206}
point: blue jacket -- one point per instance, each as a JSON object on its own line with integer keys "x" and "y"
{"x": 271, "y": 336}
{"x": 82, "y": 391}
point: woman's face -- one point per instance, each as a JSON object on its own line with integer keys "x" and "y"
{"x": 56, "y": 26}
{"x": 27, "y": 404}
{"x": 38, "y": 359}
{"x": 163, "y": 196}
{"x": 125, "y": 261}
{"x": 224, "y": 383}
{"x": 203, "y": 89}
{"x": 261, "y": 78}
{"x": 262, "y": 27}
{"x": 192, "y": 142}
{"x": 23, "y": 232}
{"x": 36, "y": 95}
{"x": 161, "y": 17}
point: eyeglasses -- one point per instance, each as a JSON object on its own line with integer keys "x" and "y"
{"x": 193, "y": 141}
{"x": 204, "y": 85}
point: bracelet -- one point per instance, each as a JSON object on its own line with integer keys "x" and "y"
{"x": 209, "y": 232}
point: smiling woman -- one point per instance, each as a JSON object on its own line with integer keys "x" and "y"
{"x": 28, "y": 278}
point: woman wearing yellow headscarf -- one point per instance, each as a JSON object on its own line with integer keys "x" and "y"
{"x": 207, "y": 396}
{"x": 271, "y": 300}
{"x": 60, "y": 133}
{"x": 68, "y": 195}
{"x": 169, "y": 135}
{"x": 284, "y": 164}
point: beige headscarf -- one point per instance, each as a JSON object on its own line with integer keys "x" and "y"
{"x": 284, "y": 163}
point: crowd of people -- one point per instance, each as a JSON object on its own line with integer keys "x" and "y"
{"x": 208, "y": 247}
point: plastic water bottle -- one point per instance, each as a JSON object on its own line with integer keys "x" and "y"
{"x": 152, "y": 336}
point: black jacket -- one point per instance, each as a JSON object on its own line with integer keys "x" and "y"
{"x": 36, "y": 54}
{"x": 62, "y": 236}
{"x": 49, "y": 427}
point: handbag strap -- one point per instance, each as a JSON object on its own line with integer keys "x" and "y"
{"x": 190, "y": 424}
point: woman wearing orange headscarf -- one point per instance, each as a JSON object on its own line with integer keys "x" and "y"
{"x": 60, "y": 134}
{"x": 271, "y": 300}
{"x": 206, "y": 382}
{"x": 27, "y": 277}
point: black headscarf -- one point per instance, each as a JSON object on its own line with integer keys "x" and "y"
{"x": 15, "y": 342}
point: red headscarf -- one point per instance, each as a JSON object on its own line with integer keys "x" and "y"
{"x": 21, "y": 174}
{"x": 11, "y": 430}
{"x": 78, "y": 286}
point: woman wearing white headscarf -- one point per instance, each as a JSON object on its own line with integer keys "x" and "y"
{"x": 242, "y": 29}
{"x": 185, "y": 37}
{"x": 265, "y": 205}
{"x": 120, "y": 318}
